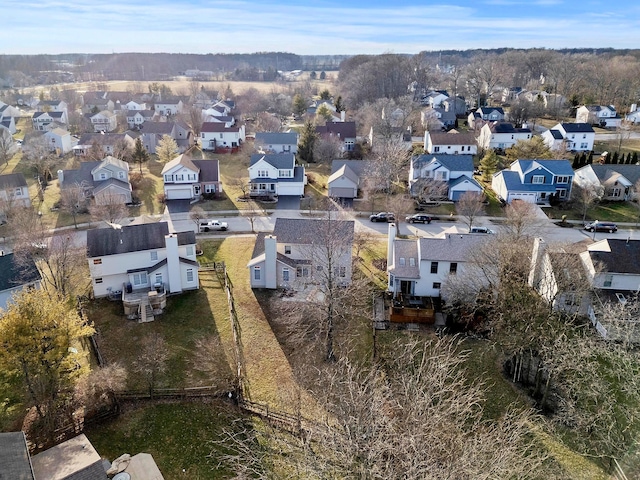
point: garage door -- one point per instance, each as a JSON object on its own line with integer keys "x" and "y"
{"x": 179, "y": 194}
{"x": 341, "y": 192}
{"x": 295, "y": 189}
{"x": 527, "y": 197}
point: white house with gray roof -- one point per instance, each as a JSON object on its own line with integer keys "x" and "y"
{"x": 276, "y": 174}
{"x": 612, "y": 182}
{"x": 276, "y": 142}
{"x": 420, "y": 267}
{"x": 301, "y": 253}
{"x": 16, "y": 275}
{"x": 455, "y": 171}
{"x": 187, "y": 179}
{"x": 142, "y": 257}
{"x": 107, "y": 180}
{"x": 14, "y": 192}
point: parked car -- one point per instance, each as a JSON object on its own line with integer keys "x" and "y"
{"x": 601, "y": 227}
{"x": 418, "y": 218}
{"x": 211, "y": 225}
{"x": 383, "y": 217}
{"x": 481, "y": 230}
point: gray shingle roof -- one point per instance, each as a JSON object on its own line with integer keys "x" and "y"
{"x": 132, "y": 238}
{"x": 453, "y": 248}
{"x": 461, "y": 163}
{"x": 603, "y": 172}
{"x": 624, "y": 256}
{"x": 208, "y": 170}
{"x": 443, "y": 138}
{"x": 14, "y": 457}
{"x": 308, "y": 232}
{"x": 341, "y": 129}
{"x": 12, "y": 180}
{"x": 557, "y": 167}
{"x": 277, "y": 160}
{"x": 405, "y": 249}
{"x": 359, "y": 167}
{"x": 163, "y": 128}
{"x": 277, "y": 138}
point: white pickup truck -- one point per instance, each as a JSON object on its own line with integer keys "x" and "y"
{"x": 213, "y": 225}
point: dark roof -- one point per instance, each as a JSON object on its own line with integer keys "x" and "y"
{"x": 132, "y": 238}
{"x": 277, "y": 160}
{"x": 357, "y": 166}
{"x": 623, "y": 257}
{"x": 277, "y": 138}
{"x": 557, "y": 167}
{"x": 14, "y": 457}
{"x": 455, "y": 247}
{"x": 577, "y": 127}
{"x": 603, "y": 172}
{"x": 506, "y": 127}
{"x": 208, "y": 170}
{"x": 14, "y": 273}
{"x": 341, "y": 129}
{"x": 164, "y": 128}
{"x": 443, "y": 138}
{"x": 488, "y": 110}
{"x": 102, "y": 138}
{"x": 308, "y": 232}
{"x": 556, "y": 134}
{"x": 216, "y": 127}
{"x": 81, "y": 175}
{"x": 459, "y": 163}
{"x": 12, "y": 180}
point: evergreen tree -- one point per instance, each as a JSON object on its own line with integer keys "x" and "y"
{"x": 607, "y": 158}
{"x": 583, "y": 159}
{"x": 167, "y": 149}
{"x": 489, "y": 165}
{"x": 634, "y": 160}
{"x": 339, "y": 105}
{"x": 307, "y": 143}
{"x": 325, "y": 94}
{"x": 590, "y": 158}
{"x": 576, "y": 161}
{"x": 614, "y": 160}
{"x": 140, "y": 154}
{"x": 299, "y": 105}
{"x": 323, "y": 75}
{"x": 313, "y": 75}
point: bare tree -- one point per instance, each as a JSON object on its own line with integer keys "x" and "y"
{"x": 469, "y": 206}
{"x": 167, "y": 149}
{"x": 252, "y": 212}
{"x": 73, "y": 201}
{"x": 523, "y": 219}
{"x": 38, "y": 156}
{"x": 108, "y": 207}
{"x": 267, "y": 122}
{"x": 197, "y": 214}
{"x": 327, "y": 149}
{"x": 151, "y": 364}
{"x": 623, "y": 133}
{"x": 586, "y": 196}
{"x": 7, "y": 146}
{"x": 98, "y": 388}
{"x": 429, "y": 189}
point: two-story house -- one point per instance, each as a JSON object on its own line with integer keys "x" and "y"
{"x": 168, "y": 107}
{"x": 437, "y": 118}
{"x": 451, "y": 143}
{"x": 303, "y": 252}
{"x": 611, "y": 182}
{"x": 218, "y": 137}
{"x": 59, "y": 140}
{"x": 14, "y": 192}
{"x": 578, "y": 137}
{"x": 108, "y": 142}
{"x": 345, "y": 131}
{"x": 135, "y": 118}
{"x": 52, "y": 106}
{"x": 276, "y": 174}
{"x": 152, "y": 132}
{"x": 455, "y": 172}
{"x": 44, "y": 121}
{"x": 276, "y": 142}
{"x": 601, "y": 115}
{"x": 104, "y": 121}
{"x": 534, "y": 181}
{"x": 420, "y": 267}
{"x": 484, "y": 115}
{"x": 107, "y": 181}
{"x": 141, "y": 258}
{"x": 501, "y": 135}
{"x": 185, "y": 178}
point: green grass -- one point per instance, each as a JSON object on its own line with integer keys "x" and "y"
{"x": 179, "y": 436}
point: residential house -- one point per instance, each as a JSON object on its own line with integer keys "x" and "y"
{"x": 315, "y": 104}
{"x": 345, "y": 131}
{"x": 8, "y": 124}
{"x": 452, "y": 143}
{"x": 94, "y": 102}
{"x": 135, "y": 118}
{"x": 15, "y": 276}
{"x": 52, "y": 106}
{"x": 7, "y": 111}
{"x": 634, "y": 114}
{"x": 109, "y": 142}
{"x": 578, "y": 137}
{"x": 75, "y": 459}
{"x": 383, "y": 134}
{"x": 601, "y": 115}
{"x": 107, "y": 181}
{"x": 227, "y": 120}
{"x": 434, "y": 98}
{"x": 437, "y": 118}
{"x": 454, "y": 171}
{"x": 134, "y": 104}
{"x": 185, "y": 178}
{"x": 276, "y": 142}
{"x": 14, "y": 192}
{"x": 347, "y": 177}
{"x": 141, "y": 258}
{"x": 220, "y": 138}
{"x": 484, "y": 115}
{"x": 152, "y": 132}
{"x": 15, "y": 460}
{"x": 534, "y": 181}
{"x": 420, "y": 267}
{"x": 276, "y": 174}
{"x": 457, "y": 105}
{"x": 43, "y": 121}
{"x": 611, "y": 182}
{"x": 104, "y": 121}
{"x": 302, "y": 253}
{"x": 59, "y": 140}
{"x": 501, "y": 135}
{"x": 168, "y": 107}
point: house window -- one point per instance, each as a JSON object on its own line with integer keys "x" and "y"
{"x": 179, "y": 178}
{"x": 287, "y": 249}
{"x": 343, "y": 272}
{"x": 436, "y": 285}
{"x": 210, "y": 188}
{"x": 434, "y": 267}
{"x": 154, "y": 255}
{"x": 453, "y": 268}
{"x": 412, "y": 262}
{"x": 562, "y": 179}
{"x": 402, "y": 262}
{"x": 97, "y": 261}
{"x": 436, "y": 149}
{"x": 18, "y": 192}
{"x": 158, "y": 279}
{"x": 189, "y": 250}
{"x": 319, "y": 268}
{"x": 121, "y": 175}
{"x": 140, "y": 278}
{"x": 562, "y": 193}
{"x": 189, "y": 275}
{"x": 302, "y": 272}
{"x": 584, "y": 136}
{"x": 584, "y": 146}
{"x": 608, "y": 280}
{"x": 256, "y": 273}
{"x": 99, "y": 280}
{"x": 103, "y": 176}
{"x": 615, "y": 192}
{"x": 537, "y": 179}
{"x": 285, "y": 274}
{"x": 168, "y": 178}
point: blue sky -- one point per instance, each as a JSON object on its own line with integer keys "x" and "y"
{"x": 307, "y": 27}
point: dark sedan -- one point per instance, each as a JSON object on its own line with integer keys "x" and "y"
{"x": 418, "y": 218}
{"x": 382, "y": 217}
{"x": 601, "y": 227}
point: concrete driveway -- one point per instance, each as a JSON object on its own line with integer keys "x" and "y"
{"x": 178, "y": 206}
{"x": 288, "y": 202}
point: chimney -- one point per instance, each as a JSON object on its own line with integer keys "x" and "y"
{"x": 173, "y": 263}
{"x": 60, "y": 177}
{"x": 539, "y": 247}
{"x": 390, "y": 245}
{"x": 342, "y": 115}
{"x": 270, "y": 255}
